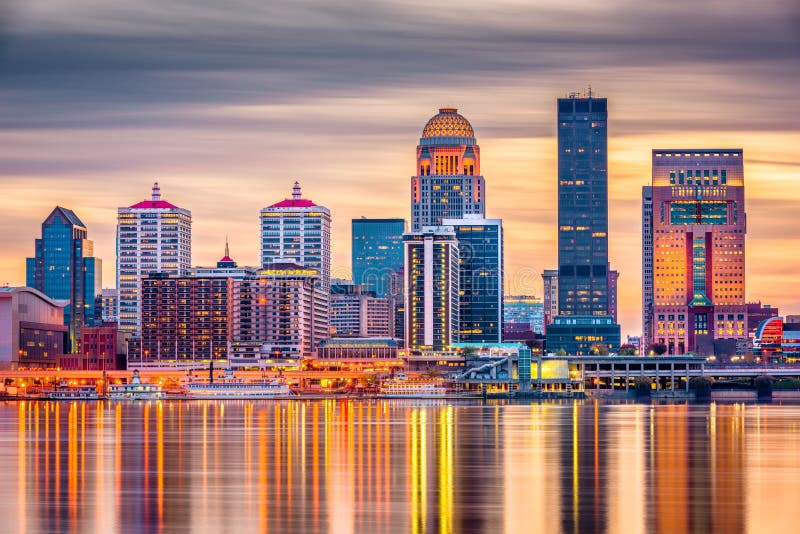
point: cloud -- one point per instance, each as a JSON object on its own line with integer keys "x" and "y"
{"x": 227, "y": 103}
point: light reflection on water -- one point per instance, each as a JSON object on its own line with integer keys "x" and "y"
{"x": 345, "y": 466}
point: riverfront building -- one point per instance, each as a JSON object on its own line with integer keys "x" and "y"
{"x": 152, "y": 236}
{"x": 377, "y": 253}
{"x": 32, "y": 330}
{"x": 480, "y": 245}
{"x": 432, "y": 288}
{"x": 777, "y": 341}
{"x": 359, "y": 350}
{"x": 697, "y": 271}
{"x": 64, "y": 268}
{"x": 448, "y": 183}
{"x": 582, "y": 335}
{"x": 296, "y": 230}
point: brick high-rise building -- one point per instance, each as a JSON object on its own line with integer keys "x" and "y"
{"x": 184, "y": 319}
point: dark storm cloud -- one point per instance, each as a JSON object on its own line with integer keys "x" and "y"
{"x": 87, "y": 63}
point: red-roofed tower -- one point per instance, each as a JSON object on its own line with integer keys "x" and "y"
{"x": 152, "y": 236}
{"x": 298, "y": 230}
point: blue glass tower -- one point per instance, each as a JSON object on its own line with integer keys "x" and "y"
{"x": 64, "y": 269}
{"x": 480, "y": 244}
{"x": 377, "y": 253}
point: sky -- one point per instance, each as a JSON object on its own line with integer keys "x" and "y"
{"x": 226, "y": 104}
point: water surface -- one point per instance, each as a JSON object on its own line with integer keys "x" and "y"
{"x": 398, "y": 466}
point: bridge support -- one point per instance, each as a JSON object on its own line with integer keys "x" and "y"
{"x": 672, "y": 377}
{"x": 687, "y": 378}
{"x": 613, "y": 378}
{"x": 627, "y": 376}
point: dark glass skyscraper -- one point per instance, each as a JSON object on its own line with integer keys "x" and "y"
{"x": 480, "y": 245}
{"x": 377, "y": 253}
{"x": 582, "y": 206}
{"x": 64, "y": 269}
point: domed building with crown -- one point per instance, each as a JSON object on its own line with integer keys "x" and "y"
{"x": 448, "y": 183}
{"x": 453, "y": 255}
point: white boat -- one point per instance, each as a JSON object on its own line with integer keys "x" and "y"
{"x": 412, "y": 389}
{"x": 135, "y": 390}
{"x": 66, "y": 392}
{"x": 233, "y": 388}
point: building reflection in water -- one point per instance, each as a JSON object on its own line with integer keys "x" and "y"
{"x": 347, "y": 466}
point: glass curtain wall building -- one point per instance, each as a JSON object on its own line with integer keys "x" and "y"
{"x": 377, "y": 253}
{"x": 582, "y": 206}
{"x": 480, "y": 245}
{"x": 64, "y": 268}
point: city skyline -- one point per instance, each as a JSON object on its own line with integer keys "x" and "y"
{"x": 225, "y": 157}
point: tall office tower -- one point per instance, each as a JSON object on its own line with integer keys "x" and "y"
{"x": 296, "y": 230}
{"x": 613, "y": 278}
{"x": 184, "y": 319}
{"x": 550, "y": 296}
{"x": 448, "y": 184}
{"x": 152, "y": 236}
{"x": 64, "y": 269}
{"x": 647, "y": 267}
{"x": 480, "y": 246}
{"x": 582, "y": 206}
{"x": 377, "y": 253}
{"x": 431, "y": 288}
{"x": 276, "y": 314}
{"x": 699, "y": 227}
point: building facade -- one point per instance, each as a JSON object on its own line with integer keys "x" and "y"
{"x": 184, "y": 319}
{"x": 64, "y": 268}
{"x": 698, "y": 265}
{"x": 103, "y": 350}
{"x": 276, "y": 314}
{"x": 523, "y": 312}
{"x": 370, "y": 349}
{"x": 613, "y": 279}
{"x": 549, "y": 296}
{"x": 32, "y": 329}
{"x": 377, "y": 253}
{"x": 432, "y": 289}
{"x": 582, "y": 206}
{"x": 152, "y": 236}
{"x": 777, "y": 341}
{"x": 448, "y": 183}
{"x": 583, "y": 335}
{"x": 296, "y": 230}
{"x": 647, "y": 267}
{"x": 356, "y": 312}
{"x": 480, "y": 246}
{"x": 109, "y": 306}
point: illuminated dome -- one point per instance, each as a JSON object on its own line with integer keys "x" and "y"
{"x": 448, "y": 123}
